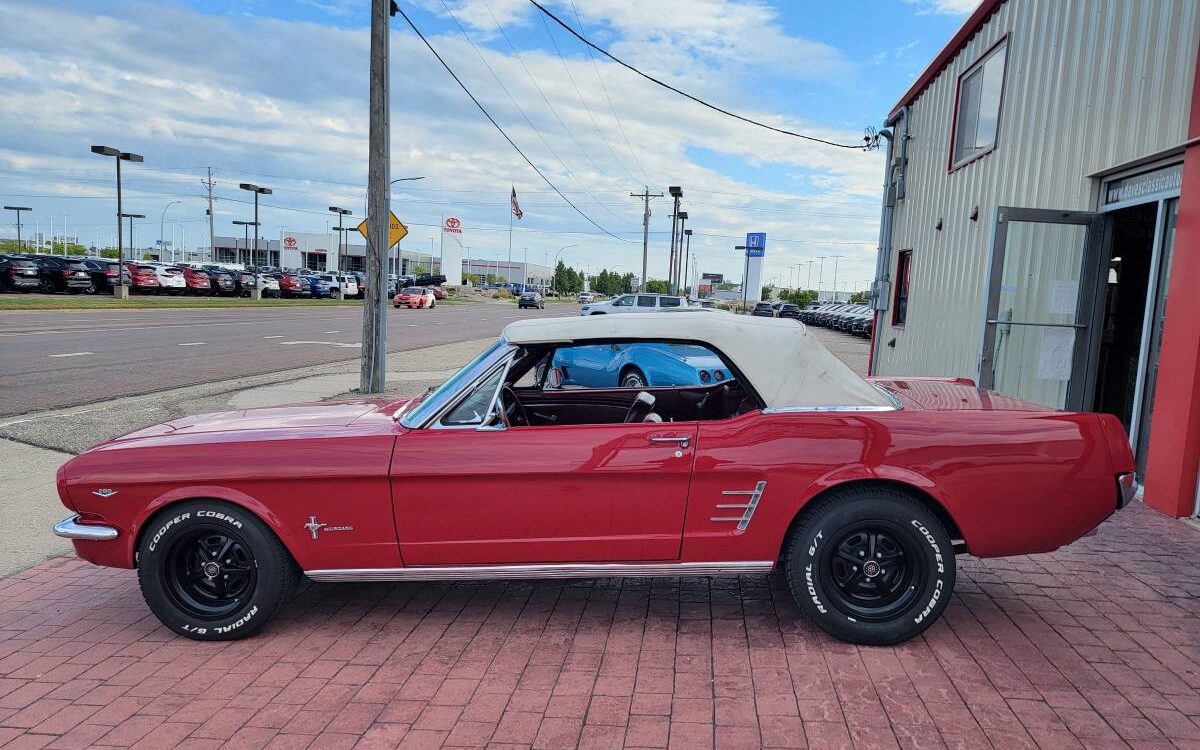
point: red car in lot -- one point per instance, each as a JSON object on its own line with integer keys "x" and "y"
{"x": 291, "y": 285}
{"x": 414, "y": 297}
{"x": 862, "y": 491}
{"x": 198, "y": 281}
{"x": 142, "y": 279}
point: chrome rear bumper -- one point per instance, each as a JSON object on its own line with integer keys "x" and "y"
{"x": 70, "y": 528}
{"x": 1128, "y": 486}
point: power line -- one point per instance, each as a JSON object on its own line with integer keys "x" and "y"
{"x": 682, "y": 93}
{"x": 520, "y": 109}
{"x": 492, "y": 120}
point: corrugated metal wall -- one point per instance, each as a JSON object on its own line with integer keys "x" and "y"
{"x": 1090, "y": 84}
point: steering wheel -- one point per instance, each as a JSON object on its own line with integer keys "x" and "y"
{"x": 514, "y": 410}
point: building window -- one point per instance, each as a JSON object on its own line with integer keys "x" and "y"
{"x": 977, "y": 114}
{"x": 900, "y": 303}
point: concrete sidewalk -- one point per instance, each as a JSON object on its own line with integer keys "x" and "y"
{"x": 33, "y": 446}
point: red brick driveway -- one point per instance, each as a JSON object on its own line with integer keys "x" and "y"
{"x": 1096, "y": 646}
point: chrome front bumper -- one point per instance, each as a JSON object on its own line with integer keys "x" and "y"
{"x": 70, "y": 528}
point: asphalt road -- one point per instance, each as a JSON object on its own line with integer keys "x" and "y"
{"x": 57, "y": 359}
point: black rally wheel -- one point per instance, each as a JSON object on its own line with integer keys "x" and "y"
{"x": 213, "y": 571}
{"x": 871, "y": 565}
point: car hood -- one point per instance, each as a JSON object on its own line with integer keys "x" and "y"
{"x": 301, "y": 416}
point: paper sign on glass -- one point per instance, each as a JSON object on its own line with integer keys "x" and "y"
{"x": 1063, "y": 294}
{"x": 1058, "y": 350}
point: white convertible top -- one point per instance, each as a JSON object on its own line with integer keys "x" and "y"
{"x": 781, "y": 359}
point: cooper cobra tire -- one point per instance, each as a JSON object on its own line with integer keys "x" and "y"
{"x": 212, "y": 571}
{"x": 870, "y": 565}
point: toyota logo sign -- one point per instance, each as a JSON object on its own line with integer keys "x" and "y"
{"x": 289, "y": 241}
{"x": 452, "y": 225}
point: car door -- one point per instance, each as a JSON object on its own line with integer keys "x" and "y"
{"x": 466, "y": 495}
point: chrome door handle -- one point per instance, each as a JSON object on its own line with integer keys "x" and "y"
{"x": 681, "y": 440}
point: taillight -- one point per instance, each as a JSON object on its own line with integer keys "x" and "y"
{"x": 110, "y": 272}
{"x": 704, "y": 376}
{"x": 66, "y": 272}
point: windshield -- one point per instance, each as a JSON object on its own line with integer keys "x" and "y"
{"x": 448, "y": 390}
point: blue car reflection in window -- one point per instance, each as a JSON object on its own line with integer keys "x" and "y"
{"x": 639, "y": 365}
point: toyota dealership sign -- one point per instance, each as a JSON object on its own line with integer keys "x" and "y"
{"x": 452, "y": 225}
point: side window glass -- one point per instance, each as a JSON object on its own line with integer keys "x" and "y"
{"x": 626, "y": 301}
{"x": 637, "y": 365}
{"x": 668, "y": 301}
{"x": 645, "y": 301}
{"x": 473, "y": 410}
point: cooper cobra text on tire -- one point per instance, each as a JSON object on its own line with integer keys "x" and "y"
{"x": 212, "y": 571}
{"x": 870, "y": 565}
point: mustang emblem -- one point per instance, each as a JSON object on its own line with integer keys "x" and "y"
{"x": 747, "y": 507}
{"x": 104, "y": 492}
{"x": 315, "y": 527}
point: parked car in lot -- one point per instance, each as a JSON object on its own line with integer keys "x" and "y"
{"x": 143, "y": 279}
{"x": 317, "y": 288}
{"x": 763, "y": 310}
{"x": 414, "y": 297}
{"x": 221, "y": 282}
{"x": 346, "y": 283}
{"x": 198, "y": 281}
{"x": 861, "y": 491}
{"x": 360, "y": 282}
{"x": 291, "y": 285}
{"x": 268, "y": 284}
{"x": 104, "y": 274}
{"x": 584, "y": 298}
{"x": 170, "y": 279}
{"x": 18, "y": 274}
{"x": 634, "y": 303}
{"x": 531, "y": 299}
{"x": 439, "y": 292}
{"x": 55, "y": 274}
{"x": 788, "y": 310}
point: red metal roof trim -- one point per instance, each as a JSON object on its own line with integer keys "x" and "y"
{"x": 973, "y": 23}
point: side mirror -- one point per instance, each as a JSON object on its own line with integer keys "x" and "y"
{"x": 554, "y": 378}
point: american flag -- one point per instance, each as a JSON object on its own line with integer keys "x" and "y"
{"x": 516, "y": 208}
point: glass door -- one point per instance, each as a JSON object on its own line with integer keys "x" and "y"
{"x": 1156, "y": 311}
{"x": 1041, "y": 293}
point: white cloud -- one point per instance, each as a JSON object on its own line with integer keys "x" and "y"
{"x": 946, "y": 7}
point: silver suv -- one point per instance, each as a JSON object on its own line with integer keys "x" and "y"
{"x": 634, "y": 303}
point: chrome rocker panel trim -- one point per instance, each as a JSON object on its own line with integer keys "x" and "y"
{"x": 556, "y": 570}
{"x": 70, "y": 528}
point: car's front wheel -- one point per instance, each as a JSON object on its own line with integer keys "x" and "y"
{"x": 212, "y": 571}
{"x": 632, "y": 377}
{"x": 871, "y": 565}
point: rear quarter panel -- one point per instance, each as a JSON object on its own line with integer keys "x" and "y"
{"x": 284, "y": 476}
{"x": 1013, "y": 482}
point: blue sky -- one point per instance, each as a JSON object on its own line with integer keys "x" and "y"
{"x": 274, "y": 92}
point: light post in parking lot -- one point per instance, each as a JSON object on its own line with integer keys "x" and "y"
{"x": 341, "y": 212}
{"x": 246, "y": 232}
{"x": 18, "y": 210}
{"x": 162, "y": 217}
{"x": 745, "y": 274}
{"x": 257, "y": 192}
{"x": 120, "y": 156}
{"x": 132, "y": 244}
{"x": 554, "y": 267}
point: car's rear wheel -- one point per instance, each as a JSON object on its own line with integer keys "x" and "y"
{"x": 212, "y": 571}
{"x": 871, "y": 565}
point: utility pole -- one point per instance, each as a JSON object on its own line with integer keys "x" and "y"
{"x": 373, "y": 368}
{"x": 18, "y": 210}
{"x": 645, "y": 195}
{"x": 212, "y": 237}
{"x": 676, "y": 193}
{"x": 835, "y": 265}
{"x": 683, "y": 215}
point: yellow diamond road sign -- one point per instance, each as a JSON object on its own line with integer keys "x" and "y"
{"x": 396, "y": 233}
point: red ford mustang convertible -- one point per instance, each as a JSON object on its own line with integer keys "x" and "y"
{"x": 861, "y": 491}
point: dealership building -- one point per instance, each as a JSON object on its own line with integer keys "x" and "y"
{"x": 1041, "y": 221}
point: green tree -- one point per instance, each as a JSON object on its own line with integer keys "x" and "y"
{"x": 858, "y": 298}
{"x": 657, "y": 286}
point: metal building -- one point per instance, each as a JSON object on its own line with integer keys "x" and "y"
{"x": 1041, "y": 220}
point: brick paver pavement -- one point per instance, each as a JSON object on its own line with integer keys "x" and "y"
{"x": 1095, "y": 646}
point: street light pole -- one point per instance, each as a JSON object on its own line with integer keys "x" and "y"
{"x": 554, "y": 268}
{"x": 18, "y": 210}
{"x": 132, "y": 244}
{"x": 246, "y": 236}
{"x": 257, "y": 192}
{"x": 341, "y": 212}
{"x": 745, "y": 273}
{"x": 162, "y": 217}
{"x": 687, "y": 233}
{"x": 676, "y": 193}
{"x": 119, "y": 289}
